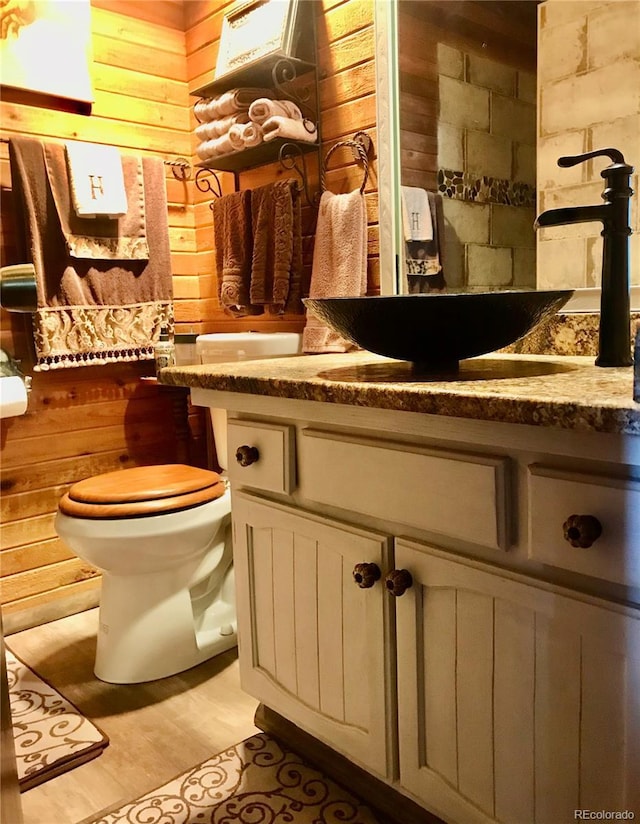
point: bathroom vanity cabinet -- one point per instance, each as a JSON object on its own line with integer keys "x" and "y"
{"x": 501, "y": 681}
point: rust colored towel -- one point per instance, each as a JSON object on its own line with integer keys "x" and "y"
{"x": 233, "y": 240}
{"x": 90, "y": 311}
{"x": 272, "y": 215}
{"x": 294, "y": 298}
{"x": 339, "y": 264}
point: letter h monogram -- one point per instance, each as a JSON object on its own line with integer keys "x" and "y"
{"x": 95, "y": 182}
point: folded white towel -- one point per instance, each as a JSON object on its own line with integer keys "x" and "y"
{"x": 236, "y": 135}
{"x": 252, "y": 135}
{"x": 228, "y": 103}
{"x": 290, "y": 128}
{"x": 416, "y": 214}
{"x": 205, "y": 131}
{"x": 222, "y": 145}
{"x": 263, "y": 108}
{"x": 96, "y": 180}
{"x": 216, "y": 128}
{"x": 201, "y": 109}
{"x": 206, "y": 149}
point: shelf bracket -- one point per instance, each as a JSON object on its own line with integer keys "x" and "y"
{"x": 288, "y": 157}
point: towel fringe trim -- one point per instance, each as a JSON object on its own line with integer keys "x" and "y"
{"x": 71, "y": 336}
{"x": 92, "y": 359}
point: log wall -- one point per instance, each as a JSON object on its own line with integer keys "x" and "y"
{"x": 147, "y": 57}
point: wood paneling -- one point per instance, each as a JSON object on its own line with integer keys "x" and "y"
{"x": 146, "y": 58}
{"x": 345, "y": 46}
{"x": 95, "y": 419}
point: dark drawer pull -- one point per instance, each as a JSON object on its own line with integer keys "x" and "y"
{"x": 247, "y": 455}
{"x": 365, "y": 575}
{"x": 398, "y": 581}
{"x": 582, "y": 530}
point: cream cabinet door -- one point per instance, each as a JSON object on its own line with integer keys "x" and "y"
{"x": 518, "y": 703}
{"x": 313, "y": 645}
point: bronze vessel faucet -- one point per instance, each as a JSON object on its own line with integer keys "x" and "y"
{"x": 614, "y": 345}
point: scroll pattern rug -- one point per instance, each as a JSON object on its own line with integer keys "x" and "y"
{"x": 255, "y": 782}
{"x": 51, "y": 736}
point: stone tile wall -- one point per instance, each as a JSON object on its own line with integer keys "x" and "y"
{"x": 487, "y": 171}
{"x": 588, "y": 98}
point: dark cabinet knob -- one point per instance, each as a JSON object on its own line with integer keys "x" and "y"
{"x": 365, "y": 575}
{"x": 247, "y": 455}
{"x": 582, "y": 530}
{"x": 398, "y": 581}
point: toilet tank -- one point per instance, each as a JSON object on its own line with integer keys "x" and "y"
{"x": 235, "y": 346}
{"x": 224, "y": 347}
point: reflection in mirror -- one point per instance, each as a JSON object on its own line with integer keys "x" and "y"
{"x": 467, "y": 123}
{"x": 588, "y": 82}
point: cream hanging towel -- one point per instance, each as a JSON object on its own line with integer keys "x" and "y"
{"x": 339, "y": 264}
{"x": 416, "y": 214}
{"x": 96, "y": 180}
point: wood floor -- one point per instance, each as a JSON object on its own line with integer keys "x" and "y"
{"x": 156, "y": 730}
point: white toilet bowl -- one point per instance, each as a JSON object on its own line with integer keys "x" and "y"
{"x": 161, "y": 536}
{"x": 167, "y": 601}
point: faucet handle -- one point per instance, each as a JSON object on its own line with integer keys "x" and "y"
{"x": 613, "y": 154}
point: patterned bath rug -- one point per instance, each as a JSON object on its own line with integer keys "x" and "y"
{"x": 257, "y": 780}
{"x": 51, "y": 736}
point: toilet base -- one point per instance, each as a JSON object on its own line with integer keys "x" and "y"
{"x": 148, "y": 629}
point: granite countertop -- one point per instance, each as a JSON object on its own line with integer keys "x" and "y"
{"x": 566, "y": 392}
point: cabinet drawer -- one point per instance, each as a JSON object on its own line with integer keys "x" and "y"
{"x": 555, "y": 495}
{"x": 272, "y": 466}
{"x": 460, "y": 495}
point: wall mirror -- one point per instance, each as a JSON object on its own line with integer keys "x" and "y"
{"x": 458, "y": 83}
{"x": 461, "y": 94}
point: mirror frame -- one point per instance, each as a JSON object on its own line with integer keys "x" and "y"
{"x": 388, "y": 155}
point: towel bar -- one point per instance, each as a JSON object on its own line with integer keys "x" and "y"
{"x": 180, "y": 163}
{"x": 288, "y": 157}
{"x": 180, "y": 168}
{"x": 360, "y": 147}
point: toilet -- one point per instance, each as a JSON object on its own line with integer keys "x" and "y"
{"x": 161, "y": 536}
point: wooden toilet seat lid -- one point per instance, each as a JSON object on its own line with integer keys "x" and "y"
{"x": 142, "y": 490}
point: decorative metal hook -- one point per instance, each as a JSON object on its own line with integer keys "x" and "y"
{"x": 282, "y": 74}
{"x": 204, "y": 184}
{"x": 288, "y": 155}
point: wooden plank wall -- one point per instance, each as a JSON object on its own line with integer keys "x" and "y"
{"x": 147, "y": 56}
{"x": 345, "y": 53}
{"x": 346, "y": 58}
{"x": 93, "y": 419}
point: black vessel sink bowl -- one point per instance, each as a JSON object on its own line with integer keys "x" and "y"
{"x": 436, "y": 331}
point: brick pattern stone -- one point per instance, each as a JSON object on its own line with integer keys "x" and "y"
{"x": 589, "y": 98}
{"x": 486, "y": 159}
